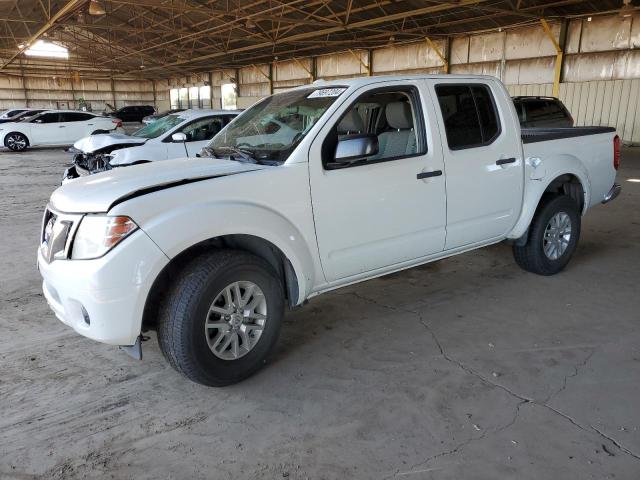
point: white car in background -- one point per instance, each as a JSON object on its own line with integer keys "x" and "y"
{"x": 15, "y": 114}
{"x": 176, "y": 135}
{"x": 54, "y": 127}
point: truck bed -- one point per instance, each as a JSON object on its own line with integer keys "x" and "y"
{"x": 532, "y": 135}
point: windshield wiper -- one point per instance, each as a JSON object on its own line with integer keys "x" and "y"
{"x": 245, "y": 155}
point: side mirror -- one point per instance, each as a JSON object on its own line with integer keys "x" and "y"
{"x": 179, "y": 137}
{"x": 356, "y": 147}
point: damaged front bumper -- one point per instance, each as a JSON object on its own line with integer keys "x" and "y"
{"x": 104, "y": 298}
{"x": 84, "y": 165}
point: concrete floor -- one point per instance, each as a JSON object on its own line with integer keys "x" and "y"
{"x": 466, "y": 368}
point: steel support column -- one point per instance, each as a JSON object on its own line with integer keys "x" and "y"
{"x": 441, "y": 56}
{"x": 559, "y": 46}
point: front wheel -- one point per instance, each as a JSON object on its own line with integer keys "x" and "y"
{"x": 16, "y": 142}
{"x": 553, "y": 237}
{"x": 222, "y": 318}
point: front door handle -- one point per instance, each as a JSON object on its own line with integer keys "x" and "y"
{"x": 504, "y": 161}
{"x": 435, "y": 173}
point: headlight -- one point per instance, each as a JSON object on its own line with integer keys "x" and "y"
{"x": 97, "y": 234}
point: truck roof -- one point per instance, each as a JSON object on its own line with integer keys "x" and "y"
{"x": 362, "y": 81}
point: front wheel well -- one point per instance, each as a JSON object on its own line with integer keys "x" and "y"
{"x": 4, "y": 140}
{"x": 255, "y": 245}
{"x": 570, "y": 186}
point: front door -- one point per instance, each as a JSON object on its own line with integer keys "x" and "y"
{"x": 387, "y": 208}
{"x": 199, "y": 133}
{"x": 483, "y": 160}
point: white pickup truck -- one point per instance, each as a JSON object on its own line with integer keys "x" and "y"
{"x": 385, "y": 173}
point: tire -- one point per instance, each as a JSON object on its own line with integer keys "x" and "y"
{"x": 182, "y": 336}
{"x": 532, "y": 256}
{"x": 16, "y": 142}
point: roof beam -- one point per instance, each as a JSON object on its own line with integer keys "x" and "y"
{"x": 327, "y": 31}
{"x": 70, "y": 7}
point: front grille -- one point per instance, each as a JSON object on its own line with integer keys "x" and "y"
{"x": 56, "y": 235}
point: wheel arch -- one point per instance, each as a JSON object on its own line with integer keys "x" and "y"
{"x": 255, "y": 245}
{"x": 571, "y": 182}
{"x": 570, "y": 185}
{"x": 4, "y": 140}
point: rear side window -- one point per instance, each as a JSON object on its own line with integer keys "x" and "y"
{"x": 75, "y": 117}
{"x": 469, "y": 113}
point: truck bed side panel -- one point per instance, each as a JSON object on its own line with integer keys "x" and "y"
{"x": 588, "y": 157}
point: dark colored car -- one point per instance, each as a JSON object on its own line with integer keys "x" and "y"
{"x": 542, "y": 112}
{"x": 21, "y": 116}
{"x": 157, "y": 116}
{"x": 133, "y": 113}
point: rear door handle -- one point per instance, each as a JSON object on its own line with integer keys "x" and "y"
{"x": 435, "y": 173}
{"x": 504, "y": 161}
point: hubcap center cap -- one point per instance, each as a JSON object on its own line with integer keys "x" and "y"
{"x": 236, "y": 320}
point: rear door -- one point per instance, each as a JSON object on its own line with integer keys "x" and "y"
{"x": 483, "y": 160}
{"x": 388, "y": 208}
{"x": 45, "y": 129}
{"x": 75, "y": 125}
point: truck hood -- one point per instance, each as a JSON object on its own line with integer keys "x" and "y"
{"x": 93, "y": 143}
{"x": 99, "y": 192}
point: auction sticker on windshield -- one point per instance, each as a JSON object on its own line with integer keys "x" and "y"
{"x": 326, "y": 92}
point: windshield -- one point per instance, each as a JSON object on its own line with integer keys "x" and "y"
{"x": 159, "y": 127}
{"x": 270, "y": 130}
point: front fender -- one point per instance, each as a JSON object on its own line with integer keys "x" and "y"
{"x": 177, "y": 229}
{"x": 537, "y": 180}
{"x": 126, "y": 156}
{"x": 8, "y": 128}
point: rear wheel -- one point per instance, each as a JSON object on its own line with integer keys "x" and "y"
{"x": 16, "y": 141}
{"x": 222, "y": 318}
{"x": 553, "y": 236}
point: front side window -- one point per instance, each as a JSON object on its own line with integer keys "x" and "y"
{"x": 47, "y": 118}
{"x": 271, "y": 129}
{"x": 204, "y": 129}
{"x": 75, "y": 117}
{"x": 390, "y": 115}
{"x": 469, "y": 113}
{"x": 159, "y": 127}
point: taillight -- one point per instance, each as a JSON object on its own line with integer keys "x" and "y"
{"x": 117, "y": 121}
{"x": 616, "y": 152}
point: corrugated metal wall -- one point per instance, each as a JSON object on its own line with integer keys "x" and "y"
{"x": 65, "y": 92}
{"x": 602, "y": 64}
{"x": 613, "y": 103}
